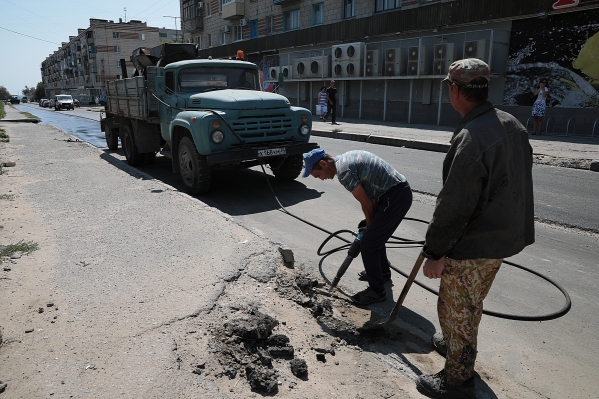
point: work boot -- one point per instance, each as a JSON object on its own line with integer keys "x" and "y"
{"x": 368, "y": 296}
{"x": 435, "y": 386}
{"x": 362, "y": 276}
{"x": 439, "y": 344}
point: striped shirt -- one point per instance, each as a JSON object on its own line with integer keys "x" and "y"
{"x": 322, "y": 98}
{"x": 372, "y": 172}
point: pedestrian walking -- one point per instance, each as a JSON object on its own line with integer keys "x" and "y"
{"x": 540, "y": 106}
{"x": 385, "y": 197}
{"x": 331, "y": 103}
{"x": 321, "y": 100}
{"x": 484, "y": 213}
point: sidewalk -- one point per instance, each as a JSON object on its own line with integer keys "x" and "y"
{"x": 578, "y": 152}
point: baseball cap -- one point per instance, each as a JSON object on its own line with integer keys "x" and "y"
{"x": 464, "y": 71}
{"x": 310, "y": 158}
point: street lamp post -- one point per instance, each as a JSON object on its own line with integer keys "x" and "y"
{"x": 176, "y": 27}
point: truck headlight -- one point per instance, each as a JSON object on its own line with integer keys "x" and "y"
{"x": 217, "y": 137}
{"x": 304, "y": 130}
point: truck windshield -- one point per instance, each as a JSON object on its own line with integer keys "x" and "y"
{"x": 64, "y": 97}
{"x": 197, "y": 80}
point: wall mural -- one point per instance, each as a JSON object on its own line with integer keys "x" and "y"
{"x": 563, "y": 48}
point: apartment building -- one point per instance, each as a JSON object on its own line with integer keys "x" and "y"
{"x": 388, "y": 56}
{"x": 82, "y": 65}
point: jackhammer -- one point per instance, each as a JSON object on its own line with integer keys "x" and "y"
{"x": 352, "y": 253}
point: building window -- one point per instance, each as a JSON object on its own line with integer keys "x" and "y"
{"x": 117, "y": 64}
{"x": 269, "y": 23}
{"x": 291, "y": 20}
{"x": 209, "y": 39}
{"x": 237, "y": 33}
{"x": 116, "y": 35}
{"x": 208, "y": 10}
{"x": 117, "y": 49}
{"x": 428, "y": 1}
{"x": 349, "y": 8}
{"x": 162, "y": 34}
{"x": 384, "y": 5}
{"x": 189, "y": 10}
{"x": 142, "y": 36}
{"x": 225, "y": 2}
{"x": 317, "y": 13}
{"x": 199, "y": 41}
{"x": 253, "y": 28}
{"x": 223, "y": 37}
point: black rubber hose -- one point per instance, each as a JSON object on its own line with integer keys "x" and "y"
{"x": 508, "y": 316}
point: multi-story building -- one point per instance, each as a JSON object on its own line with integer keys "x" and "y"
{"x": 388, "y": 57}
{"x": 82, "y": 65}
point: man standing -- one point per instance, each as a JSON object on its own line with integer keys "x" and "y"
{"x": 484, "y": 213}
{"x": 385, "y": 197}
{"x": 331, "y": 103}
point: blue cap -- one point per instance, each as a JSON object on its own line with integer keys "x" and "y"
{"x": 310, "y": 158}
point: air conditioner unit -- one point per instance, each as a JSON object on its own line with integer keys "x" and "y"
{"x": 243, "y": 22}
{"x": 226, "y": 28}
{"x": 353, "y": 68}
{"x": 348, "y": 52}
{"x": 445, "y": 54}
{"x": 320, "y": 67}
{"x": 475, "y": 49}
{"x": 200, "y": 4}
{"x": 273, "y": 73}
{"x": 445, "y": 51}
{"x": 340, "y": 69}
{"x": 285, "y": 71}
{"x": 394, "y": 64}
{"x": 418, "y": 61}
{"x": 301, "y": 68}
{"x": 372, "y": 63}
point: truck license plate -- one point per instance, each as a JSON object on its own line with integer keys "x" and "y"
{"x": 272, "y": 152}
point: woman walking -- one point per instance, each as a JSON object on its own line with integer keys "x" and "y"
{"x": 539, "y": 106}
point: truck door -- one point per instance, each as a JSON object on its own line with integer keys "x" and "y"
{"x": 166, "y": 112}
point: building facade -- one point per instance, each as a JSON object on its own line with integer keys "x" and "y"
{"x": 389, "y": 56}
{"x": 82, "y": 65}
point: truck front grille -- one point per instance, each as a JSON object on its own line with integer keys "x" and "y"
{"x": 262, "y": 126}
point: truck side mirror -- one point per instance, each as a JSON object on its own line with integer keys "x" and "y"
{"x": 159, "y": 85}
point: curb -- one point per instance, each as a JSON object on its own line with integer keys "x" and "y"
{"x": 384, "y": 140}
{"x": 28, "y": 120}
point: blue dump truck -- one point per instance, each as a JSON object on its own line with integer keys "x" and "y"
{"x": 205, "y": 115}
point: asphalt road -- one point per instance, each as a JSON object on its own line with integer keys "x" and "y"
{"x": 553, "y": 358}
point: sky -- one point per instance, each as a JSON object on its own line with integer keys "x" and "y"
{"x": 31, "y": 30}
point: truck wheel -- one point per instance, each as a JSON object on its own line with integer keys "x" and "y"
{"x": 112, "y": 139}
{"x": 134, "y": 158}
{"x": 195, "y": 172}
{"x": 289, "y": 169}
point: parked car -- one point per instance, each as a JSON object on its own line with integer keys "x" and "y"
{"x": 15, "y": 100}
{"x": 102, "y": 101}
{"x": 62, "y": 101}
{"x": 76, "y": 103}
{"x": 24, "y": 99}
{"x": 45, "y": 102}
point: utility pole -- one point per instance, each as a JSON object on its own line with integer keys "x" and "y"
{"x": 125, "y": 9}
{"x": 176, "y": 28}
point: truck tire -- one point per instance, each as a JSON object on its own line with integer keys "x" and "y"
{"x": 289, "y": 169}
{"x": 112, "y": 139}
{"x": 194, "y": 170}
{"x": 134, "y": 158}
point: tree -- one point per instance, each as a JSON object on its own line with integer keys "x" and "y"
{"x": 28, "y": 92}
{"x": 40, "y": 91}
{"x": 4, "y": 94}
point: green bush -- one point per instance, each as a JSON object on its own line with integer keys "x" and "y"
{"x": 2, "y": 111}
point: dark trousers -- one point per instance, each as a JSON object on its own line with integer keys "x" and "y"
{"x": 332, "y": 110}
{"x": 390, "y": 210}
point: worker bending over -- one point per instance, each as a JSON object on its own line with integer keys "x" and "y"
{"x": 385, "y": 197}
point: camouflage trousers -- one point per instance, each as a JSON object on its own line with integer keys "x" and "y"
{"x": 464, "y": 286}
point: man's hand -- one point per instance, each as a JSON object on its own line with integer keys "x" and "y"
{"x": 434, "y": 268}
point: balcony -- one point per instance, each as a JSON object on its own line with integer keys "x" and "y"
{"x": 193, "y": 24}
{"x": 233, "y": 9}
{"x": 284, "y": 2}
